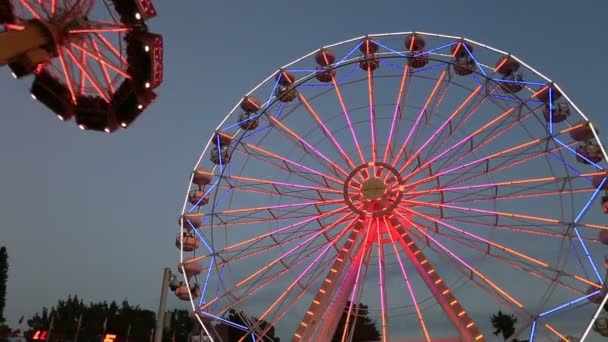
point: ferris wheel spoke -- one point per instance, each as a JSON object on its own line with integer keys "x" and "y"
{"x": 421, "y": 114}
{"x": 457, "y": 111}
{"x": 504, "y": 215}
{"x": 325, "y": 130}
{"x": 347, "y": 116}
{"x": 104, "y": 68}
{"x": 549, "y": 274}
{"x": 31, "y": 9}
{"x": 372, "y": 114}
{"x": 492, "y": 135}
{"x": 460, "y": 262}
{"x": 335, "y": 167}
{"x": 279, "y": 187}
{"x": 549, "y": 187}
{"x": 99, "y": 27}
{"x": 88, "y": 76}
{"x": 330, "y": 244}
{"x": 302, "y": 245}
{"x": 302, "y": 258}
{"x": 452, "y": 308}
{"x": 460, "y": 143}
{"x": 325, "y": 178}
{"x": 306, "y": 195}
{"x": 67, "y": 74}
{"x": 527, "y": 259}
{"x": 410, "y": 289}
{"x": 97, "y": 55}
{"x": 83, "y": 60}
{"x": 275, "y": 213}
{"x": 272, "y": 234}
{"x": 106, "y": 43}
{"x": 484, "y": 162}
{"x": 397, "y": 111}
{"x": 478, "y": 238}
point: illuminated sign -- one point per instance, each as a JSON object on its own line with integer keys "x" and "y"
{"x": 40, "y": 335}
{"x": 109, "y": 338}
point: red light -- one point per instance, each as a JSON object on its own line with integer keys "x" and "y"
{"x": 605, "y": 204}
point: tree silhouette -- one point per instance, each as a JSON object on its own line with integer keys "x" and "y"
{"x": 180, "y": 328}
{"x": 365, "y": 329}
{"x": 119, "y": 319}
{"x": 3, "y": 278}
{"x": 504, "y": 324}
{"x": 235, "y": 334}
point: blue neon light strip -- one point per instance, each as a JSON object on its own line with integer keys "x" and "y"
{"x": 500, "y": 80}
{"x": 477, "y": 80}
{"x": 578, "y": 154}
{"x": 219, "y": 286}
{"x": 569, "y": 304}
{"x": 551, "y": 110}
{"x": 202, "y": 300}
{"x": 238, "y": 326}
{"x": 479, "y": 66}
{"x": 350, "y": 53}
{"x": 532, "y": 332}
{"x": 578, "y": 235}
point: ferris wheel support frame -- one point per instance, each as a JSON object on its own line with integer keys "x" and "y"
{"x": 26, "y": 45}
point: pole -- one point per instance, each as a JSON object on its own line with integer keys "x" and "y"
{"x": 162, "y": 306}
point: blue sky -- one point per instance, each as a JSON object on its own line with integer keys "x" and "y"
{"x": 95, "y": 214}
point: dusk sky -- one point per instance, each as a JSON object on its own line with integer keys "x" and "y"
{"x": 96, "y": 214}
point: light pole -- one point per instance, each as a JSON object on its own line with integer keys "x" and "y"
{"x": 162, "y": 306}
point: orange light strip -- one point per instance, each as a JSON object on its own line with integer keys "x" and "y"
{"x": 266, "y": 181}
{"x": 347, "y": 116}
{"x": 88, "y": 76}
{"x": 557, "y": 333}
{"x": 295, "y": 135}
{"x": 469, "y": 267}
{"x": 109, "y": 46}
{"x": 457, "y": 111}
{"x": 499, "y": 213}
{"x": 480, "y": 160}
{"x": 67, "y": 75}
{"x": 572, "y": 128}
{"x": 104, "y": 69}
{"x": 427, "y": 103}
{"x": 288, "y": 253}
{"x": 31, "y": 9}
{"x": 328, "y": 133}
{"x": 545, "y": 88}
{"x": 97, "y": 56}
{"x": 478, "y": 238}
{"x": 500, "y": 65}
{"x": 397, "y": 108}
{"x": 263, "y": 236}
{"x": 460, "y": 143}
{"x": 281, "y": 158}
{"x": 270, "y": 279}
{"x": 83, "y": 60}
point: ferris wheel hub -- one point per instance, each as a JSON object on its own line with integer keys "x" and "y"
{"x": 376, "y": 195}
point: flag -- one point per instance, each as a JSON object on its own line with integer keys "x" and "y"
{"x": 105, "y": 324}
{"x": 128, "y": 331}
{"x": 21, "y": 319}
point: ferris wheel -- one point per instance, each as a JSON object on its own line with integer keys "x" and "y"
{"x": 95, "y": 61}
{"x": 431, "y": 179}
